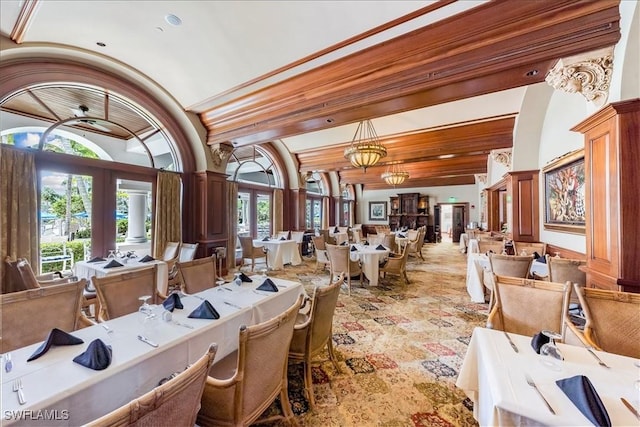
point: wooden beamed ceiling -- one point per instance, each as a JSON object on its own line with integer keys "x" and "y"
{"x": 488, "y": 48}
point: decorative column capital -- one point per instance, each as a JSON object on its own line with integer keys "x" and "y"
{"x": 481, "y": 178}
{"x": 588, "y": 74}
{"x": 220, "y": 152}
{"x": 502, "y": 156}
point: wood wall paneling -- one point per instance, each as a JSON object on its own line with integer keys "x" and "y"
{"x": 210, "y": 204}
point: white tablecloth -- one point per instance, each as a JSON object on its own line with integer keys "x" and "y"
{"x": 281, "y": 252}
{"x": 86, "y": 270}
{"x": 479, "y": 269}
{"x": 370, "y": 258}
{"x": 55, "y": 382}
{"x": 493, "y": 376}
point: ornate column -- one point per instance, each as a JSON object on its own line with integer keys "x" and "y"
{"x": 136, "y": 232}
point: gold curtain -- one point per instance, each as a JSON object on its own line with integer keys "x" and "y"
{"x": 18, "y": 210}
{"x": 352, "y": 213}
{"x": 325, "y": 213}
{"x": 232, "y": 206}
{"x": 168, "y": 219}
{"x": 277, "y": 210}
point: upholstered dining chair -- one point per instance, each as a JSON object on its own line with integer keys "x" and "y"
{"x": 28, "y": 316}
{"x": 322, "y": 257}
{"x": 174, "y": 403}
{"x": 528, "y": 248}
{"x": 280, "y": 234}
{"x": 506, "y": 265}
{"x": 298, "y": 237}
{"x": 171, "y": 251}
{"x": 340, "y": 262}
{"x": 251, "y": 252}
{"x": 397, "y": 265}
{"x": 312, "y": 333}
{"x": 415, "y": 246}
{"x": 389, "y": 241}
{"x": 490, "y": 246}
{"x": 197, "y": 275}
{"x": 119, "y": 294}
{"x": 244, "y": 384}
{"x": 186, "y": 253}
{"x": 527, "y": 306}
{"x": 611, "y": 320}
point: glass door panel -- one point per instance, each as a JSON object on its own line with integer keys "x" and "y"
{"x": 263, "y": 213}
{"x": 244, "y": 214}
{"x": 133, "y": 217}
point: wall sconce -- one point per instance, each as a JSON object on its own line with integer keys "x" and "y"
{"x": 221, "y": 152}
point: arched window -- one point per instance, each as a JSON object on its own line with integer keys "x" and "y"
{"x": 257, "y": 175}
{"x": 347, "y": 206}
{"x": 313, "y": 207}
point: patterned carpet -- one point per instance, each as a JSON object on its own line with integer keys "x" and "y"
{"x": 400, "y": 348}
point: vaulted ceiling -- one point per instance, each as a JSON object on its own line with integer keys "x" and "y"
{"x": 461, "y": 51}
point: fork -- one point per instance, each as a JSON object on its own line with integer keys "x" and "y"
{"x": 17, "y": 387}
{"x": 532, "y": 384}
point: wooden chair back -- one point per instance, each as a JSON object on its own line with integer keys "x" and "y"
{"x": 28, "y": 316}
{"x": 197, "y": 275}
{"x": 486, "y": 245}
{"x": 119, "y": 293}
{"x": 174, "y": 403}
{"x": 510, "y": 265}
{"x": 528, "y": 248}
{"x": 526, "y": 306}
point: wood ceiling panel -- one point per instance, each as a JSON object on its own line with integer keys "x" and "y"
{"x": 492, "y": 44}
{"x": 426, "y": 182}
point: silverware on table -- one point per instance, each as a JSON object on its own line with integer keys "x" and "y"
{"x": 630, "y": 407}
{"x": 232, "y": 305}
{"x": 106, "y": 328}
{"x": 600, "y": 362}
{"x": 513, "y": 346}
{"x": 175, "y": 322}
{"x": 8, "y": 364}
{"x": 17, "y": 387}
{"x": 147, "y": 341}
{"x": 535, "y": 387}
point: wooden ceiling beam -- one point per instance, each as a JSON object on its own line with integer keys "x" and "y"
{"x": 419, "y": 183}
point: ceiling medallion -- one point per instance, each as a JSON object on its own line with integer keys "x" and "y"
{"x": 395, "y": 175}
{"x": 365, "y": 150}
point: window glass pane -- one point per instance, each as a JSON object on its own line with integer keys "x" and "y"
{"x": 133, "y": 217}
{"x": 307, "y": 215}
{"x": 317, "y": 214}
{"x": 244, "y": 214}
{"x": 263, "y": 205}
{"x": 65, "y": 220}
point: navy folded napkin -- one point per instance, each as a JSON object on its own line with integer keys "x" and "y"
{"x": 353, "y": 249}
{"x": 266, "y": 239}
{"x": 336, "y": 230}
{"x": 401, "y": 235}
{"x": 55, "y": 337}
{"x": 539, "y": 258}
{"x": 172, "y": 302}
{"x": 113, "y": 263}
{"x": 582, "y": 394}
{"x": 97, "y": 259}
{"x": 204, "y": 311}
{"x": 283, "y": 238}
{"x": 538, "y": 341}
{"x": 366, "y": 243}
{"x": 147, "y": 258}
{"x": 245, "y": 278}
{"x": 268, "y": 285}
{"x": 344, "y": 244}
{"x": 97, "y": 356}
{"x": 381, "y": 248}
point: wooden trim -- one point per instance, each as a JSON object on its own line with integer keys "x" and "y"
{"x": 27, "y": 13}
{"x": 565, "y": 253}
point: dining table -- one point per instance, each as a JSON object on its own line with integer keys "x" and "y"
{"x": 479, "y": 275}
{"x": 494, "y": 376}
{"x": 280, "y": 252}
{"x": 70, "y": 394}
{"x": 370, "y": 258}
{"x": 87, "y": 270}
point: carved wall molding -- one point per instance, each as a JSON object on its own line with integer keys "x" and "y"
{"x": 481, "y": 178}
{"x": 220, "y": 153}
{"x": 502, "y": 157}
{"x": 589, "y": 75}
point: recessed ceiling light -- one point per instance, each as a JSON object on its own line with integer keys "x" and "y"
{"x": 101, "y": 44}
{"x": 532, "y": 73}
{"x": 173, "y": 20}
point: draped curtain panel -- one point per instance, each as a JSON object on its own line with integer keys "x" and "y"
{"x": 277, "y": 210}
{"x": 168, "y": 218}
{"x": 232, "y": 206}
{"x": 352, "y": 213}
{"x": 325, "y": 213}
{"x": 18, "y": 210}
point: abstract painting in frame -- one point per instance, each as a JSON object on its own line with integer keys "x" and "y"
{"x": 564, "y": 189}
{"x": 377, "y": 211}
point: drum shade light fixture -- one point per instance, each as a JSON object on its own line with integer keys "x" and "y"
{"x": 366, "y": 149}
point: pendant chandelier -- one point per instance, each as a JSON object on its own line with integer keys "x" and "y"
{"x": 365, "y": 150}
{"x": 395, "y": 175}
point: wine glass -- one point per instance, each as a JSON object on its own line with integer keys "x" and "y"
{"x": 551, "y": 351}
{"x": 557, "y": 254}
{"x": 112, "y": 254}
{"x": 264, "y": 273}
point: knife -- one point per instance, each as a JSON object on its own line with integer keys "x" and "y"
{"x": 630, "y": 407}
{"x": 8, "y": 364}
{"x": 147, "y": 341}
{"x": 600, "y": 362}
{"x": 513, "y": 346}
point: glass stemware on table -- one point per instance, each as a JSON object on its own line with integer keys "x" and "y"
{"x": 551, "y": 351}
{"x": 147, "y": 316}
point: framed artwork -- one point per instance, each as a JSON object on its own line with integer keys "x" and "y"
{"x": 377, "y": 211}
{"x": 564, "y": 188}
